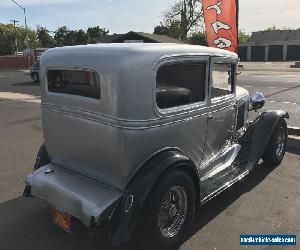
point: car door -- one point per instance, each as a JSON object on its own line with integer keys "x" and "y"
{"x": 219, "y": 150}
{"x": 182, "y": 102}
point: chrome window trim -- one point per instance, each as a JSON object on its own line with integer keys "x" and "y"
{"x": 230, "y": 97}
{"x": 184, "y": 109}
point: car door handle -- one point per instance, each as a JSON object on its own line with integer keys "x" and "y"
{"x": 211, "y": 117}
{"x": 231, "y": 130}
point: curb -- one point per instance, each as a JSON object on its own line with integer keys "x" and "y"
{"x": 291, "y": 68}
{"x": 294, "y": 138}
{"x": 293, "y": 142}
{"x": 294, "y": 70}
{"x": 294, "y": 131}
{"x": 14, "y": 70}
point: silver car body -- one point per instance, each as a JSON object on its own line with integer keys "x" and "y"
{"x": 97, "y": 146}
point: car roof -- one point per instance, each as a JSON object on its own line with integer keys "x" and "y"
{"x": 122, "y": 51}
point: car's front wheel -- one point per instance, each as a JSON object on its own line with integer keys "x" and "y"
{"x": 275, "y": 150}
{"x": 170, "y": 211}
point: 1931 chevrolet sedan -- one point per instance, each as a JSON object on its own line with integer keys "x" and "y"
{"x": 139, "y": 135}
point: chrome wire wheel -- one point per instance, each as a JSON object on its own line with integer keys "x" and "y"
{"x": 280, "y": 143}
{"x": 173, "y": 211}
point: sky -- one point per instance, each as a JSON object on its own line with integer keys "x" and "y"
{"x": 121, "y": 16}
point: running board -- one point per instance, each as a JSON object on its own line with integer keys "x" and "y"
{"x": 225, "y": 186}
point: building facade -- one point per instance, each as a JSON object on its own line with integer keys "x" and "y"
{"x": 138, "y": 37}
{"x": 274, "y": 45}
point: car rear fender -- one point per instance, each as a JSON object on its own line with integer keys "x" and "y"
{"x": 140, "y": 188}
{"x": 84, "y": 198}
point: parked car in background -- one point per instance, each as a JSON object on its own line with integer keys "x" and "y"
{"x": 137, "y": 136}
{"x": 34, "y": 71}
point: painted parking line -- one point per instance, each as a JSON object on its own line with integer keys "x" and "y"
{"x": 250, "y": 87}
{"x": 10, "y": 96}
{"x": 291, "y": 103}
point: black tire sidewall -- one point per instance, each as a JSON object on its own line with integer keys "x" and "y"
{"x": 42, "y": 158}
{"x": 270, "y": 155}
{"x": 151, "y": 231}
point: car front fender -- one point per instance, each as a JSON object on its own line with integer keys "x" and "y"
{"x": 259, "y": 133}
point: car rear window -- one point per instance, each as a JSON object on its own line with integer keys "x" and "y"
{"x": 74, "y": 82}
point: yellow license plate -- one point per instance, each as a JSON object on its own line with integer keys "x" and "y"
{"x": 61, "y": 219}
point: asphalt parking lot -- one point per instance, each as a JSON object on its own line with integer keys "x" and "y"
{"x": 266, "y": 202}
{"x": 281, "y": 89}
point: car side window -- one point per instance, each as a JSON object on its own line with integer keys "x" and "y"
{"x": 179, "y": 84}
{"x": 222, "y": 83}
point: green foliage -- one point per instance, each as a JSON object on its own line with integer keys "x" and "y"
{"x": 243, "y": 36}
{"x": 95, "y": 33}
{"x": 42, "y": 38}
{"x": 6, "y": 39}
{"x": 63, "y": 36}
{"x": 172, "y": 30}
{"x": 60, "y": 36}
{"x": 182, "y": 18}
{"x": 197, "y": 38}
{"x": 8, "y": 34}
{"x": 45, "y": 40}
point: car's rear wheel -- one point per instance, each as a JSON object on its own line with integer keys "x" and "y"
{"x": 170, "y": 211}
{"x": 42, "y": 158}
{"x": 275, "y": 150}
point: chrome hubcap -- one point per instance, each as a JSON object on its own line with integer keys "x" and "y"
{"x": 172, "y": 212}
{"x": 280, "y": 141}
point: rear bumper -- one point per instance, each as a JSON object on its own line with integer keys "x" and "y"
{"x": 81, "y": 197}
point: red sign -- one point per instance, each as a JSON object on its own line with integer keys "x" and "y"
{"x": 221, "y": 23}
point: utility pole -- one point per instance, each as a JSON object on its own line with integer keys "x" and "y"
{"x": 26, "y": 28}
{"x": 16, "y": 39}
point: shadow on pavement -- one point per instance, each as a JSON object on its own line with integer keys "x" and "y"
{"x": 26, "y": 84}
{"x": 294, "y": 150}
{"x": 282, "y": 91}
{"x": 25, "y": 223}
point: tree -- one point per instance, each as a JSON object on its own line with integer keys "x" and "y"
{"x": 182, "y": 17}
{"x": 80, "y": 37}
{"x": 172, "y": 30}
{"x": 63, "y": 36}
{"x": 41, "y": 37}
{"x": 161, "y": 30}
{"x": 6, "y": 39}
{"x": 243, "y": 36}
{"x": 95, "y": 33}
{"x": 197, "y": 38}
{"x": 25, "y": 38}
{"x": 45, "y": 40}
{"x": 60, "y": 36}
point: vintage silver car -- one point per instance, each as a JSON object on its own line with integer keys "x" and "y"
{"x": 137, "y": 136}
